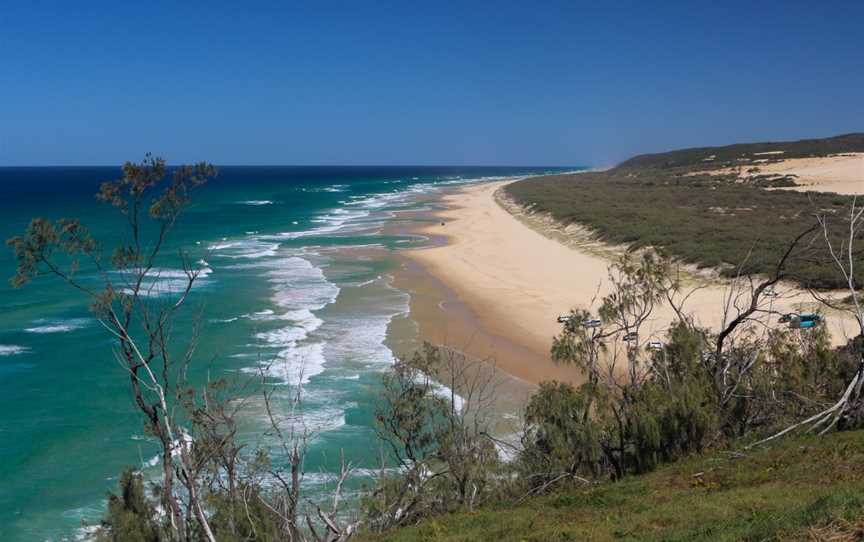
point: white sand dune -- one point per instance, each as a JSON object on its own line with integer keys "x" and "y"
{"x": 843, "y": 174}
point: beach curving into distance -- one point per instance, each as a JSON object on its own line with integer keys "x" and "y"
{"x": 504, "y": 280}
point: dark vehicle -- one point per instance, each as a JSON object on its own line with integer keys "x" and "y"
{"x": 786, "y": 318}
{"x": 591, "y": 323}
{"x": 632, "y": 336}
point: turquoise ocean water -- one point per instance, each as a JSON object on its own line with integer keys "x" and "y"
{"x": 296, "y": 271}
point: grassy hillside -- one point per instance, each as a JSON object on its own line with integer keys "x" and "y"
{"x": 806, "y": 489}
{"x": 665, "y": 200}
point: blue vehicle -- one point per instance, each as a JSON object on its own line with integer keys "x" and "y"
{"x": 805, "y": 321}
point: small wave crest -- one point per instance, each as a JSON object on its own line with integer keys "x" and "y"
{"x": 12, "y": 350}
{"x": 159, "y": 281}
{"x": 251, "y": 248}
{"x": 337, "y": 220}
{"x": 57, "y": 326}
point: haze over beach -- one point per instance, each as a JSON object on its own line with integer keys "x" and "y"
{"x": 449, "y": 272}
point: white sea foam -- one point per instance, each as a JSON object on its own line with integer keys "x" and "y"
{"x": 200, "y": 272}
{"x": 284, "y": 336}
{"x": 446, "y": 393}
{"x": 334, "y": 221}
{"x": 58, "y": 326}
{"x": 12, "y": 350}
{"x": 225, "y": 320}
{"x": 294, "y": 365}
{"x": 301, "y": 285}
{"x": 299, "y": 288}
{"x": 378, "y": 201}
{"x": 368, "y": 282}
{"x": 159, "y": 281}
{"x": 266, "y": 314}
{"x": 358, "y": 336}
{"x": 223, "y": 245}
{"x": 88, "y": 533}
{"x": 251, "y": 248}
{"x": 155, "y": 273}
{"x": 256, "y": 202}
{"x": 324, "y": 419}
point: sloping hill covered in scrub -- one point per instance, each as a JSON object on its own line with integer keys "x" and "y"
{"x": 672, "y": 202}
{"x": 809, "y": 489}
{"x": 710, "y": 156}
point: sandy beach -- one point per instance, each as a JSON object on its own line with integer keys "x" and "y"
{"x": 495, "y": 285}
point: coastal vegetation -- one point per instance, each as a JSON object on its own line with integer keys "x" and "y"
{"x": 678, "y": 204}
{"x": 802, "y": 489}
{"x": 726, "y": 407}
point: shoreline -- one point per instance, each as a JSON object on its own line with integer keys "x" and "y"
{"x": 447, "y": 312}
{"x": 492, "y": 283}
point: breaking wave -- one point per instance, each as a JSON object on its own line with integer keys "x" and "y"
{"x": 12, "y": 350}
{"x": 58, "y": 326}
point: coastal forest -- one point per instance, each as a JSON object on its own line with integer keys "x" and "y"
{"x": 750, "y": 431}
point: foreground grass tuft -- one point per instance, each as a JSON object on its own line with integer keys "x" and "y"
{"x": 805, "y": 489}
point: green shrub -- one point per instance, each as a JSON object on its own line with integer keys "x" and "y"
{"x": 130, "y": 517}
{"x": 562, "y": 436}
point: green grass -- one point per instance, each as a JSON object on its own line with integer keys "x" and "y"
{"x": 774, "y": 493}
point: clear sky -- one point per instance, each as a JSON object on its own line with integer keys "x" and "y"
{"x": 499, "y": 82}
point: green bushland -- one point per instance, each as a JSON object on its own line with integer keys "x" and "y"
{"x": 663, "y": 201}
{"x": 592, "y": 445}
{"x": 793, "y": 490}
{"x": 583, "y": 464}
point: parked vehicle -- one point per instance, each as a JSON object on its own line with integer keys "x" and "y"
{"x": 786, "y": 318}
{"x": 805, "y": 321}
{"x": 655, "y": 345}
{"x": 632, "y": 336}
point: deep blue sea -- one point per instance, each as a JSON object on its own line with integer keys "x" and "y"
{"x": 296, "y": 267}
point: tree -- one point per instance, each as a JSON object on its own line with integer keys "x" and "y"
{"x": 151, "y": 201}
{"x": 441, "y": 445}
{"x": 130, "y": 516}
{"x": 211, "y": 487}
{"x": 848, "y": 410}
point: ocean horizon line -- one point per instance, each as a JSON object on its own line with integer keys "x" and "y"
{"x": 377, "y": 166}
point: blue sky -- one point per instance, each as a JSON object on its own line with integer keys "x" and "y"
{"x": 519, "y": 83}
